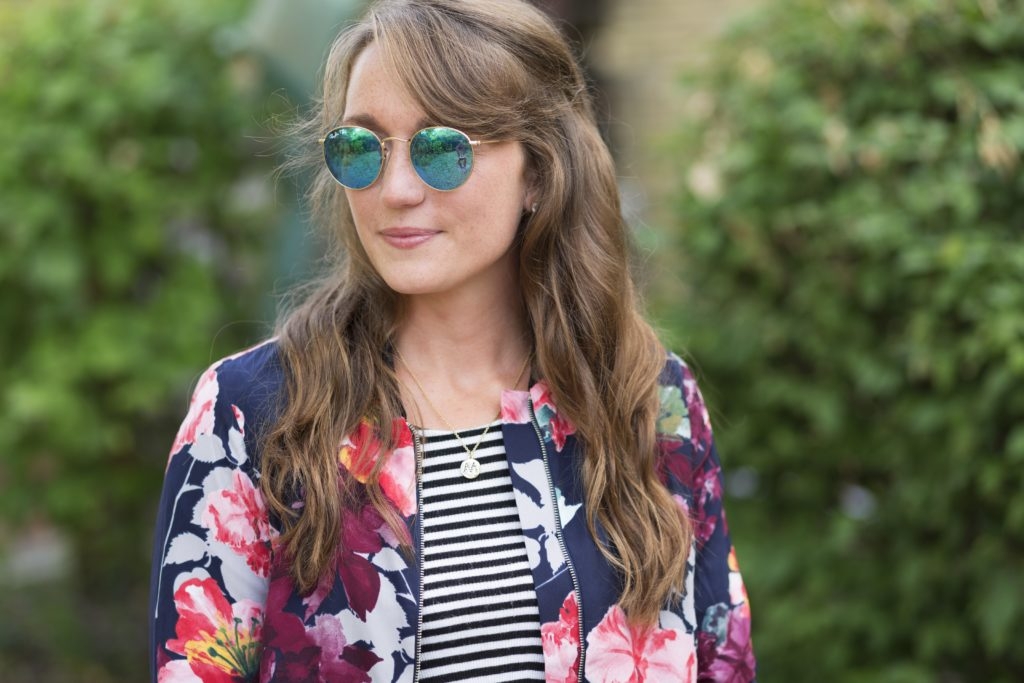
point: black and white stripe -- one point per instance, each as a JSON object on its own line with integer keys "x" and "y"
{"x": 480, "y": 618}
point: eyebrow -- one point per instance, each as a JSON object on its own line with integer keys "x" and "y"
{"x": 368, "y": 121}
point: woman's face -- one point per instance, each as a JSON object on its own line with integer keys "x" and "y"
{"x": 420, "y": 240}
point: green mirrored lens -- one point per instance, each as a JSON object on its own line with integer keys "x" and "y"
{"x": 443, "y": 157}
{"x": 353, "y": 156}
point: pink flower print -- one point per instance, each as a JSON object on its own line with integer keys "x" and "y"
{"x": 700, "y": 422}
{"x": 704, "y": 525}
{"x": 239, "y": 418}
{"x": 561, "y": 641}
{"x": 548, "y": 417}
{"x": 620, "y": 653}
{"x": 707, "y": 485}
{"x": 401, "y": 435}
{"x": 177, "y": 671}
{"x": 391, "y": 538}
{"x": 238, "y": 519}
{"x": 339, "y": 661}
{"x": 284, "y": 635}
{"x": 560, "y": 428}
{"x": 317, "y": 653}
{"x": 323, "y": 588}
{"x": 515, "y": 409}
{"x": 398, "y": 477}
{"x": 684, "y": 507}
{"x": 672, "y": 460}
{"x": 733, "y": 660}
{"x": 360, "y": 578}
{"x": 707, "y": 488}
{"x": 541, "y": 395}
{"x": 199, "y": 419}
{"x": 220, "y": 641}
{"x": 289, "y": 654}
{"x": 737, "y": 589}
{"x": 361, "y": 449}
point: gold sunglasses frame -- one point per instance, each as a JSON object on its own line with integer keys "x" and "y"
{"x": 386, "y": 153}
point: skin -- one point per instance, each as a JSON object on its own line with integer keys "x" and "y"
{"x": 449, "y": 254}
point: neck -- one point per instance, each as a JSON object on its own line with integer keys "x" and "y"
{"x": 463, "y": 353}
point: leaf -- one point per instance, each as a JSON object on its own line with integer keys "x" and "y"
{"x": 207, "y": 448}
{"x": 185, "y": 548}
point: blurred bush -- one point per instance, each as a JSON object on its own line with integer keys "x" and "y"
{"x": 851, "y": 284}
{"x": 132, "y": 207}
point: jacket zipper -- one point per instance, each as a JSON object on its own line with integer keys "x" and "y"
{"x": 419, "y": 514}
{"x": 561, "y": 541}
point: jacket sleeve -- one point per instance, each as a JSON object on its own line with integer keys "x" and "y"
{"x": 724, "y": 651}
{"x": 212, "y": 546}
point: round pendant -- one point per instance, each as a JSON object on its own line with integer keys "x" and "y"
{"x": 470, "y": 468}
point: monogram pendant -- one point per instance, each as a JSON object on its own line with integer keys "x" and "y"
{"x": 470, "y": 468}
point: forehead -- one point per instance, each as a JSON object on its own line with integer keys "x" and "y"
{"x": 376, "y": 94}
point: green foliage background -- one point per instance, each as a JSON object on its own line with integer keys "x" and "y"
{"x": 850, "y": 254}
{"x": 131, "y": 220}
{"x": 849, "y": 282}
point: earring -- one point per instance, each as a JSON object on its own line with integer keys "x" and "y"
{"x": 533, "y": 209}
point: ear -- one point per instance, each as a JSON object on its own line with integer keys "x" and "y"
{"x": 531, "y": 194}
{"x": 530, "y": 181}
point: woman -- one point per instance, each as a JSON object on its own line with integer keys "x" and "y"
{"x": 465, "y": 456}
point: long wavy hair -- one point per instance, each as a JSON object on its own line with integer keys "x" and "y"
{"x": 497, "y": 69}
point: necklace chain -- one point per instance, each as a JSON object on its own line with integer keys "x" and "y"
{"x": 470, "y": 468}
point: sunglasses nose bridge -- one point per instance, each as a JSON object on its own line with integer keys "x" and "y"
{"x": 386, "y": 150}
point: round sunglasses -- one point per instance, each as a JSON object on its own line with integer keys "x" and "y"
{"x": 441, "y": 156}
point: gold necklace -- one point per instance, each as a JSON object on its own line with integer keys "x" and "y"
{"x": 470, "y": 467}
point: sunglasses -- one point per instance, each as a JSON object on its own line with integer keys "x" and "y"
{"x": 441, "y": 156}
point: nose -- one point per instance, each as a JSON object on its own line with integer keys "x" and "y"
{"x": 400, "y": 184}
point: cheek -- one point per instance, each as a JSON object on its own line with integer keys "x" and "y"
{"x": 502, "y": 200}
{"x": 358, "y": 239}
{"x": 360, "y": 210}
{"x": 496, "y": 233}
{"x": 355, "y": 204}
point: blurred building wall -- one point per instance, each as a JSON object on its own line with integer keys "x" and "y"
{"x": 641, "y": 49}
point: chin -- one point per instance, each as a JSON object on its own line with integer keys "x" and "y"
{"x": 406, "y": 287}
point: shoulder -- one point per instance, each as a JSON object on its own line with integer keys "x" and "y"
{"x": 688, "y": 463}
{"x": 683, "y": 415}
{"x": 676, "y": 372}
{"x": 251, "y": 379}
{"x": 250, "y": 387}
{"x": 239, "y": 394}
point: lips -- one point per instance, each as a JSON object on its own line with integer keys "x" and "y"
{"x": 407, "y": 238}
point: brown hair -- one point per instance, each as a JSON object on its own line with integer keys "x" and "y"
{"x": 498, "y": 68}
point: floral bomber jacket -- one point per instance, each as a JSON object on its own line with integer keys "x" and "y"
{"x": 223, "y": 607}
